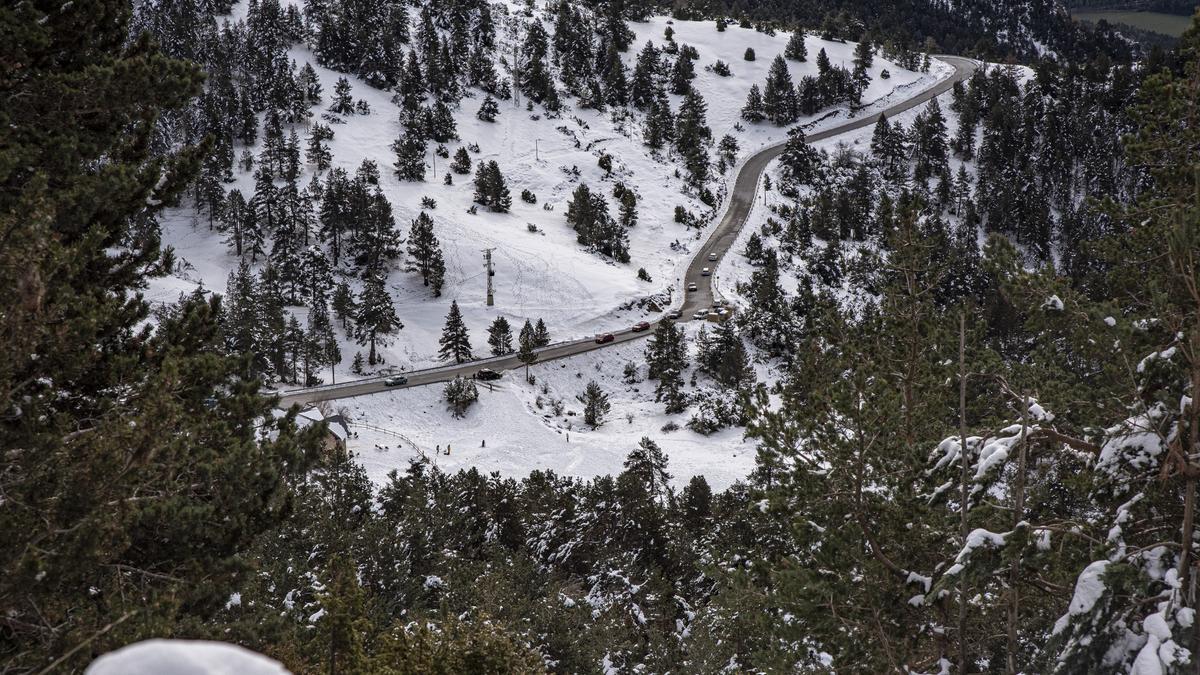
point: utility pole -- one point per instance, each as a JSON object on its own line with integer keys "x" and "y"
{"x": 487, "y": 261}
{"x": 535, "y": 150}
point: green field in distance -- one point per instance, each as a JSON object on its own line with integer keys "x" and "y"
{"x": 1167, "y": 24}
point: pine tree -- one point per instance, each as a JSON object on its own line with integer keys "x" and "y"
{"x": 344, "y": 306}
{"x": 527, "y": 344}
{"x": 488, "y": 110}
{"x": 265, "y": 202}
{"x": 726, "y": 358}
{"x": 666, "y": 360}
{"x": 628, "y": 212}
{"x": 534, "y": 78}
{"x": 692, "y": 135}
{"x": 234, "y": 221}
{"x": 616, "y": 86}
{"x": 648, "y": 465}
{"x": 779, "y": 96}
{"x": 462, "y": 162}
{"x": 929, "y": 146}
{"x": 587, "y": 213}
{"x": 437, "y": 272}
{"x": 294, "y": 347}
{"x": 376, "y": 319}
{"x": 796, "y": 50}
{"x": 887, "y": 145}
{"x": 682, "y": 74}
{"x": 596, "y": 405}
{"x": 660, "y": 123}
{"x": 321, "y": 345}
{"x": 490, "y": 188}
{"x": 541, "y": 335}
{"x": 410, "y": 157}
{"x": 344, "y": 622}
{"x": 753, "y": 111}
{"x": 644, "y": 86}
{"x": 727, "y": 151}
{"x": 286, "y": 254}
{"x": 343, "y": 103}
{"x": 318, "y": 153}
{"x": 441, "y": 125}
{"x": 455, "y": 343}
{"x": 800, "y": 162}
{"x": 425, "y": 250}
{"x": 500, "y": 337}
{"x": 863, "y": 56}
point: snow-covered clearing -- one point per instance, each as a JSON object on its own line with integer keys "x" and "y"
{"x": 520, "y": 437}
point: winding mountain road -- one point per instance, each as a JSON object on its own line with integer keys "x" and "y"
{"x": 718, "y": 243}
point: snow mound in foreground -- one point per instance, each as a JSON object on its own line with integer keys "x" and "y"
{"x": 184, "y": 657}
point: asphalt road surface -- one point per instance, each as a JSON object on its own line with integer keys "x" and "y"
{"x": 719, "y": 242}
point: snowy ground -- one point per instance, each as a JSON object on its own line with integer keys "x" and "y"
{"x": 521, "y": 437}
{"x": 543, "y": 274}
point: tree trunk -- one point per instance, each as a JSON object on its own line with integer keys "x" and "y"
{"x": 1014, "y": 573}
{"x": 964, "y": 478}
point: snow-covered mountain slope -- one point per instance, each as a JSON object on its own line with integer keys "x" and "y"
{"x": 546, "y": 273}
{"x": 515, "y": 428}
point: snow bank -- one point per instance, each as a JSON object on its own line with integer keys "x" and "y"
{"x": 184, "y": 657}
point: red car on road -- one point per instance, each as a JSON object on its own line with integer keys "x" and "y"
{"x": 606, "y": 337}
{"x": 641, "y": 326}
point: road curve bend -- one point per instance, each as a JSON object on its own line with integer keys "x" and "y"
{"x": 718, "y": 243}
{"x": 745, "y": 186}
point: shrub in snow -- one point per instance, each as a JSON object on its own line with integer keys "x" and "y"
{"x": 630, "y": 373}
{"x": 460, "y": 393}
{"x": 717, "y": 411}
{"x": 528, "y": 197}
{"x": 643, "y": 275}
{"x": 721, "y": 68}
{"x": 749, "y": 55}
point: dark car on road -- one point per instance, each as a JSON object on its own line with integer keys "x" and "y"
{"x": 641, "y": 326}
{"x": 487, "y": 374}
{"x": 606, "y": 337}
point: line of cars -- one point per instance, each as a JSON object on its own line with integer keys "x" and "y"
{"x": 704, "y": 272}
{"x": 718, "y": 313}
{"x": 484, "y": 374}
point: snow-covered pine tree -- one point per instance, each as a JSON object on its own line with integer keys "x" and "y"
{"x": 455, "y": 343}
{"x": 500, "y": 337}
{"x": 795, "y": 49}
{"x": 596, "y": 406}
{"x": 779, "y": 95}
{"x": 376, "y": 318}
{"x": 753, "y": 110}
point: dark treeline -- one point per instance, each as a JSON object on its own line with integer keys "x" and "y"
{"x": 986, "y": 465}
{"x": 987, "y": 30}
